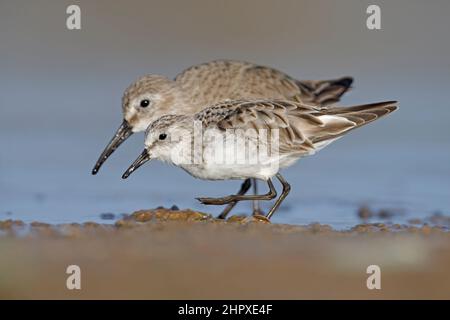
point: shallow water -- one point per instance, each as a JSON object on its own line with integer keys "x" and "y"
{"x": 60, "y": 94}
{"x": 50, "y": 181}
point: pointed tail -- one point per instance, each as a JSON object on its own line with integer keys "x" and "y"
{"x": 341, "y": 120}
{"x": 324, "y": 92}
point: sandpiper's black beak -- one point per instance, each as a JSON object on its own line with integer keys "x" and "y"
{"x": 122, "y": 134}
{"x": 143, "y": 158}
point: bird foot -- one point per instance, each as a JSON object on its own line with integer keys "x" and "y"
{"x": 257, "y": 218}
{"x": 216, "y": 201}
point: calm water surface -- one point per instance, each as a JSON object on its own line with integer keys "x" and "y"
{"x": 47, "y": 178}
{"x": 60, "y": 94}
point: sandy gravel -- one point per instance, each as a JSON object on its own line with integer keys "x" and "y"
{"x": 166, "y": 254}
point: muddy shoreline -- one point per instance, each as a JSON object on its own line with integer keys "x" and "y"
{"x": 183, "y": 254}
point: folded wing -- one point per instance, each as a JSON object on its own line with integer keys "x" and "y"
{"x": 302, "y": 128}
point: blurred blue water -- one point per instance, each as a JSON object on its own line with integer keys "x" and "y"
{"x": 48, "y": 179}
{"x": 60, "y": 97}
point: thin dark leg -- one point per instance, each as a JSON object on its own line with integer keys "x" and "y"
{"x": 286, "y": 189}
{"x": 256, "y": 207}
{"x": 244, "y": 188}
{"x": 225, "y": 200}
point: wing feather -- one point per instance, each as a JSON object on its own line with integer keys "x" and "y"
{"x": 301, "y": 126}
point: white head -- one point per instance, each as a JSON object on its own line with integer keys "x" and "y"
{"x": 168, "y": 139}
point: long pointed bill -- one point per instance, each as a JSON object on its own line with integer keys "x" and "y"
{"x": 143, "y": 158}
{"x": 122, "y": 134}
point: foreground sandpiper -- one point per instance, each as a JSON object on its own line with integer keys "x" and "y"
{"x": 153, "y": 96}
{"x": 302, "y": 129}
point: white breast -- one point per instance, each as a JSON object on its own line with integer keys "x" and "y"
{"x": 225, "y": 157}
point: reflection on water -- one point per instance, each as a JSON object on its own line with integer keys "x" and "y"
{"x": 50, "y": 181}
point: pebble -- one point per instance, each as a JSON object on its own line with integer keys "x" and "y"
{"x": 107, "y": 216}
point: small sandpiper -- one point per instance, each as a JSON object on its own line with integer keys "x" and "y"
{"x": 153, "y": 96}
{"x": 302, "y": 129}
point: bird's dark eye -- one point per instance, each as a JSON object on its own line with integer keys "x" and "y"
{"x": 162, "y": 136}
{"x": 145, "y": 103}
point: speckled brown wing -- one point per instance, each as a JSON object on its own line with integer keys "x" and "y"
{"x": 215, "y": 81}
{"x": 212, "y": 82}
{"x": 266, "y": 82}
{"x": 302, "y": 127}
{"x": 266, "y": 114}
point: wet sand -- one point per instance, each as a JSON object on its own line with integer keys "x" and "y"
{"x": 182, "y": 254}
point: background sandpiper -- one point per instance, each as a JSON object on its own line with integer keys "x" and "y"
{"x": 153, "y": 96}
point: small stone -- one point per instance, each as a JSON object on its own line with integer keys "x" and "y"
{"x": 107, "y": 216}
{"x": 317, "y": 227}
{"x": 257, "y": 218}
{"x": 142, "y": 216}
{"x": 361, "y": 228}
{"x": 37, "y": 224}
{"x": 125, "y": 223}
{"x": 91, "y": 224}
{"x": 237, "y": 218}
{"x": 385, "y": 214}
{"x": 10, "y": 224}
{"x": 415, "y": 221}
